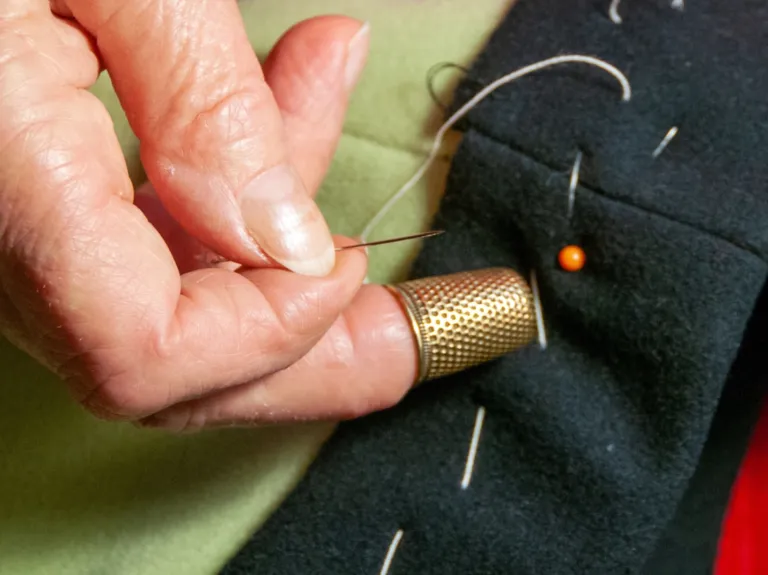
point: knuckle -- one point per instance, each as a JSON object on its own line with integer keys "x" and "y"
{"x": 228, "y": 122}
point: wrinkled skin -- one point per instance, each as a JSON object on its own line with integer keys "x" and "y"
{"x": 133, "y": 297}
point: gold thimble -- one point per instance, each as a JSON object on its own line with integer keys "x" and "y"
{"x": 465, "y": 319}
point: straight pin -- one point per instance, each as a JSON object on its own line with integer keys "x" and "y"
{"x": 574, "y": 183}
{"x": 665, "y": 142}
{"x": 391, "y": 552}
{"x": 540, "y": 328}
{"x": 472, "y": 454}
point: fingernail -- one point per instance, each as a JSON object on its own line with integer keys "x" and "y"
{"x": 357, "y": 52}
{"x": 286, "y": 222}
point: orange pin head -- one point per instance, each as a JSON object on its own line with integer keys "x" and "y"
{"x": 572, "y": 258}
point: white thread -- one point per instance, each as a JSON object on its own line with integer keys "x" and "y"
{"x": 613, "y": 12}
{"x": 678, "y": 5}
{"x": 472, "y": 454}
{"x": 573, "y": 183}
{"x": 665, "y": 142}
{"x": 482, "y": 94}
{"x": 538, "y": 311}
{"x": 391, "y": 552}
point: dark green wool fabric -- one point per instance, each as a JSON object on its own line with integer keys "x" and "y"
{"x": 613, "y": 450}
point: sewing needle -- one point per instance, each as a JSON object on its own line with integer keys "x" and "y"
{"x": 393, "y": 240}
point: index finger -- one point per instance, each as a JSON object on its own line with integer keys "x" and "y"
{"x": 212, "y": 138}
{"x": 87, "y": 286}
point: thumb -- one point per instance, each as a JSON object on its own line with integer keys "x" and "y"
{"x": 211, "y": 133}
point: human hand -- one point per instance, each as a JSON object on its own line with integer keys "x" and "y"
{"x": 125, "y": 305}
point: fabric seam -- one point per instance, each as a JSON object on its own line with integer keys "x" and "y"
{"x": 608, "y": 196}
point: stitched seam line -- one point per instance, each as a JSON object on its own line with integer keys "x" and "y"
{"x": 608, "y": 196}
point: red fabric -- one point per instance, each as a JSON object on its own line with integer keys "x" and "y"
{"x": 743, "y": 548}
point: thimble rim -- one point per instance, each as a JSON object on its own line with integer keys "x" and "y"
{"x": 416, "y": 328}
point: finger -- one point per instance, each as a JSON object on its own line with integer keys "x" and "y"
{"x": 366, "y": 362}
{"x": 312, "y": 71}
{"x": 303, "y": 71}
{"x": 212, "y": 138}
{"x": 231, "y": 328}
{"x": 98, "y": 296}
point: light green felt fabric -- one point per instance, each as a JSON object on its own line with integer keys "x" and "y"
{"x": 81, "y": 496}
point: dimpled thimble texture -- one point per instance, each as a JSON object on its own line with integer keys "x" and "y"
{"x": 468, "y": 318}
